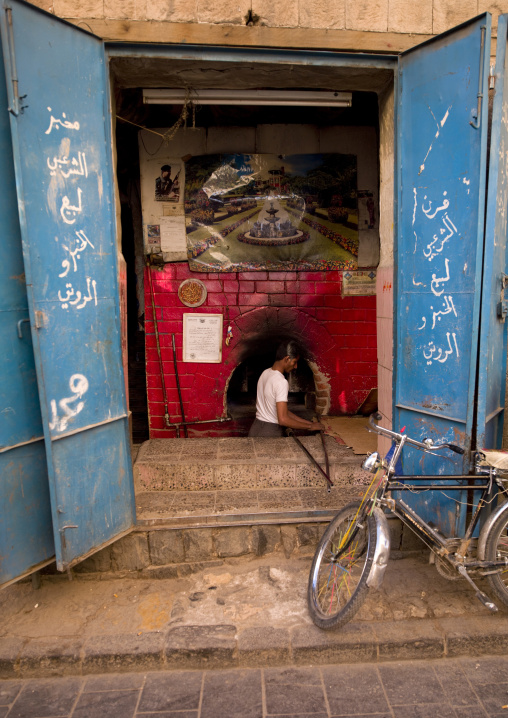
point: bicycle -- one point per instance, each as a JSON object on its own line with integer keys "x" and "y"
{"x": 352, "y": 555}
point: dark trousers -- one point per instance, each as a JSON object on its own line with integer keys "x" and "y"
{"x": 266, "y": 429}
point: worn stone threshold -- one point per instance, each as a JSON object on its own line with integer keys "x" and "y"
{"x": 247, "y": 519}
{"x": 241, "y": 481}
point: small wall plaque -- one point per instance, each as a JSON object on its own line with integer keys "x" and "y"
{"x": 359, "y": 283}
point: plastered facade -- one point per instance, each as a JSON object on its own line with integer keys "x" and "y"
{"x": 408, "y": 20}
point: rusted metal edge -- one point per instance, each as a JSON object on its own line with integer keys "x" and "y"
{"x": 257, "y": 519}
{"x": 22, "y": 443}
{"x": 90, "y": 426}
{"x": 31, "y": 570}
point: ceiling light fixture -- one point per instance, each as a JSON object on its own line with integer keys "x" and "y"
{"x": 301, "y": 98}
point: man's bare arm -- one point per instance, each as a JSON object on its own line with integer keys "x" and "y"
{"x": 287, "y": 418}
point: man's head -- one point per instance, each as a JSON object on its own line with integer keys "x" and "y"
{"x": 289, "y": 353}
{"x": 165, "y": 172}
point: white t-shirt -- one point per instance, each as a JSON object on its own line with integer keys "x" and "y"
{"x": 272, "y": 387}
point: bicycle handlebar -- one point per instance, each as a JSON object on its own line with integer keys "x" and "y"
{"x": 426, "y": 445}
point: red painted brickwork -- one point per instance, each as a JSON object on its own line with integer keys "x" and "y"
{"x": 339, "y": 332}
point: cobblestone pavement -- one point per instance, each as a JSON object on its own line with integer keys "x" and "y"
{"x": 447, "y": 688}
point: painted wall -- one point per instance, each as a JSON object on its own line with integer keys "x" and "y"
{"x": 339, "y": 331}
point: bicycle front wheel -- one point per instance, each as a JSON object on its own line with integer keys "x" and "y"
{"x": 496, "y": 548}
{"x": 340, "y": 568}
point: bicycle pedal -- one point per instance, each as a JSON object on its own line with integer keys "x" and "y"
{"x": 486, "y": 601}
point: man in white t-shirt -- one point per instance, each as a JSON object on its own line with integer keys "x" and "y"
{"x": 272, "y": 413}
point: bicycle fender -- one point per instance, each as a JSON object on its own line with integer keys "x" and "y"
{"x": 382, "y": 551}
{"x": 482, "y": 541}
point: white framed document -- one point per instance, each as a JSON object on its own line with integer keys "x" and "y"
{"x": 202, "y": 338}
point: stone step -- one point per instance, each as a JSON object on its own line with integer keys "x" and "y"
{"x": 237, "y": 463}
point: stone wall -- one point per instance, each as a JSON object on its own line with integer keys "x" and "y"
{"x": 365, "y": 25}
{"x": 176, "y": 553}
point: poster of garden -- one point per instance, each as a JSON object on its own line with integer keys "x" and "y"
{"x": 291, "y": 212}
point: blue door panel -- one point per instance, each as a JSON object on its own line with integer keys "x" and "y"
{"x": 26, "y": 535}
{"x": 62, "y": 151}
{"x": 82, "y": 484}
{"x": 26, "y": 531}
{"x": 441, "y": 152}
{"x": 494, "y": 316}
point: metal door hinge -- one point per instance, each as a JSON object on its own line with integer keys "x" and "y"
{"x": 40, "y": 319}
{"x": 502, "y": 307}
{"x": 492, "y": 77}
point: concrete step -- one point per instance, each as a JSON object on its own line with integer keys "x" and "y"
{"x": 213, "y": 478}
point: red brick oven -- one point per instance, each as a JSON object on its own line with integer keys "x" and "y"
{"x": 337, "y": 333}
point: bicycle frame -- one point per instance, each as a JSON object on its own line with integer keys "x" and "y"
{"x": 483, "y": 480}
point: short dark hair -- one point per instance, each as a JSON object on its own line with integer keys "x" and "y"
{"x": 288, "y": 349}
{"x": 165, "y": 168}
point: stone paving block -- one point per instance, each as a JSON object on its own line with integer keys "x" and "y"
{"x": 409, "y": 640}
{"x": 448, "y": 13}
{"x": 175, "y": 691}
{"x": 353, "y": 643}
{"x": 308, "y": 535}
{"x": 123, "y": 652}
{"x": 114, "y": 682}
{"x": 130, "y": 553}
{"x": 198, "y": 544}
{"x": 410, "y": 17}
{"x": 10, "y": 649}
{"x": 99, "y": 562}
{"x": 201, "y": 647}
{"x": 161, "y": 572}
{"x": 47, "y": 698}
{"x": 275, "y": 500}
{"x": 411, "y": 683}
{"x": 275, "y": 449}
{"x": 187, "y": 569}
{"x": 234, "y": 693}
{"x": 69, "y": 8}
{"x": 50, "y": 657}
{"x": 307, "y": 475}
{"x": 235, "y": 476}
{"x": 187, "y": 503}
{"x": 176, "y": 11}
{"x": 166, "y": 546}
{"x": 231, "y": 542}
{"x": 295, "y": 699}
{"x": 275, "y": 476}
{"x": 160, "y": 448}
{"x": 366, "y": 15}
{"x": 342, "y": 685}
{"x": 176, "y": 476}
{"x": 476, "y": 636}
{"x": 264, "y": 646}
{"x": 265, "y": 539}
{"x": 108, "y": 703}
{"x": 9, "y": 690}
{"x": 236, "y": 501}
{"x": 289, "y": 539}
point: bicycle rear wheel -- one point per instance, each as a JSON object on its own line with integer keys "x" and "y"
{"x": 496, "y": 547}
{"x": 340, "y": 568}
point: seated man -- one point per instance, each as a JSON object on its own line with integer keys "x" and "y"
{"x": 272, "y": 413}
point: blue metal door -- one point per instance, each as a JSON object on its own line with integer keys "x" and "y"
{"x": 60, "y": 124}
{"x": 441, "y": 159}
{"x": 26, "y": 535}
{"x": 494, "y": 313}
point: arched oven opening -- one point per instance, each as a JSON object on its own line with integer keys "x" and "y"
{"x": 258, "y": 353}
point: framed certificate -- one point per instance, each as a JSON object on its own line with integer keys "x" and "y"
{"x": 202, "y": 338}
